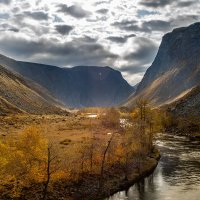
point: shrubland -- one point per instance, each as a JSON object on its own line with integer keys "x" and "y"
{"x": 76, "y": 156}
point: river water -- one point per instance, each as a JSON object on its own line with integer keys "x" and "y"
{"x": 177, "y": 176}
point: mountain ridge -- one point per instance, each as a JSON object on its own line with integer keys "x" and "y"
{"x": 80, "y": 86}
{"x": 17, "y": 95}
{"x": 175, "y": 69}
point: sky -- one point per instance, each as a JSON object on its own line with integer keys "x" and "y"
{"x": 122, "y": 34}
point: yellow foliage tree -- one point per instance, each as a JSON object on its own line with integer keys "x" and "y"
{"x": 23, "y": 161}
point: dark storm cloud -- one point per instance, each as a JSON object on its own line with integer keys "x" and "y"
{"x": 156, "y": 3}
{"x": 6, "y": 2}
{"x": 144, "y": 52}
{"x": 50, "y": 52}
{"x": 146, "y": 26}
{"x": 118, "y": 39}
{"x": 74, "y": 10}
{"x": 102, "y": 11}
{"x": 38, "y": 15}
{"x": 64, "y": 29}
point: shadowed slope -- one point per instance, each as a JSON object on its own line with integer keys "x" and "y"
{"x": 18, "y": 96}
{"x": 175, "y": 70}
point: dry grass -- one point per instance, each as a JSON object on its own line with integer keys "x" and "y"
{"x": 64, "y": 131}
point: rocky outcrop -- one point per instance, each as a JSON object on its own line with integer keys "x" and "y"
{"x": 187, "y": 106}
{"x": 175, "y": 70}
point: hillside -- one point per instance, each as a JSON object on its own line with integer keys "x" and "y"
{"x": 20, "y": 96}
{"x": 188, "y": 105}
{"x": 81, "y": 86}
{"x": 175, "y": 70}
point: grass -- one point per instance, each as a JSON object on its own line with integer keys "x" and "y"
{"x": 69, "y": 134}
{"x": 67, "y": 131}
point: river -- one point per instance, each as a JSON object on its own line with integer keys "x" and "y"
{"x": 177, "y": 176}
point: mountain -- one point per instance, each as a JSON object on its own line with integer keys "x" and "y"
{"x": 175, "y": 70}
{"x": 188, "y": 105}
{"x": 18, "y": 95}
{"x": 81, "y": 86}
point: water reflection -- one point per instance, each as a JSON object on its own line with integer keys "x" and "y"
{"x": 177, "y": 176}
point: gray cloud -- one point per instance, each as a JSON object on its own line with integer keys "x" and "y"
{"x": 102, "y": 11}
{"x": 156, "y": 25}
{"x": 128, "y": 25}
{"x": 6, "y": 2}
{"x": 155, "y": 3}
{"x": 87, "y": 39}
{"x": 145, "y": 18}
{"x": 118, "y": 39}
{"x": 47, "y": 51}
{"x": 133, "y": 69}
{"x": 184, "y": 20}
{"x": 74, "y": 10}
{"x": 64, "y": 29}
{"x": 8, "y": 27}
{"x": 146, "y": 26}
{"x": 102, "y": 2}
{"x": 27, "y": 28}
{"x": 185, "y": 3}
{"x": 144, "y": 52}
{"x": 140, "y": 57}
{"x": 38, "y": 15}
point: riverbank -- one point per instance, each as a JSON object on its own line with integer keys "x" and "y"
{"x": 88, "y": 189}
{"x": 189, "y": 134}
{"x": 114, "y": 182}
{"x": 115, "y": 185}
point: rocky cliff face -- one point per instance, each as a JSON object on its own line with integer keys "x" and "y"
{"x": 18, "y": 96}
{"x": 175, "y": 70}
{"x": 82, "y": 86}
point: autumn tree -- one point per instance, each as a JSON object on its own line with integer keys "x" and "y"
{"x": 111, "y": 118}
{"x": 27, "y": 160}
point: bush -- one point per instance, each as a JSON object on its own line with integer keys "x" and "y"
{"x": 111, "y": 118}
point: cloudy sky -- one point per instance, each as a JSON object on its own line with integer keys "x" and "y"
{"x": 123, "y": 34}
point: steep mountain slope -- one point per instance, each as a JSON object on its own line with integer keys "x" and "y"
{"x": 81, "y": 86}
{"x": 175, "y": 70}
{"x": 188, "y": 105}
{"x": 18, "y": 96}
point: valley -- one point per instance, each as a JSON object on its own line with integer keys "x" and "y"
{"x": 78, "y": 143}
{"x": 83, "y": 132}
